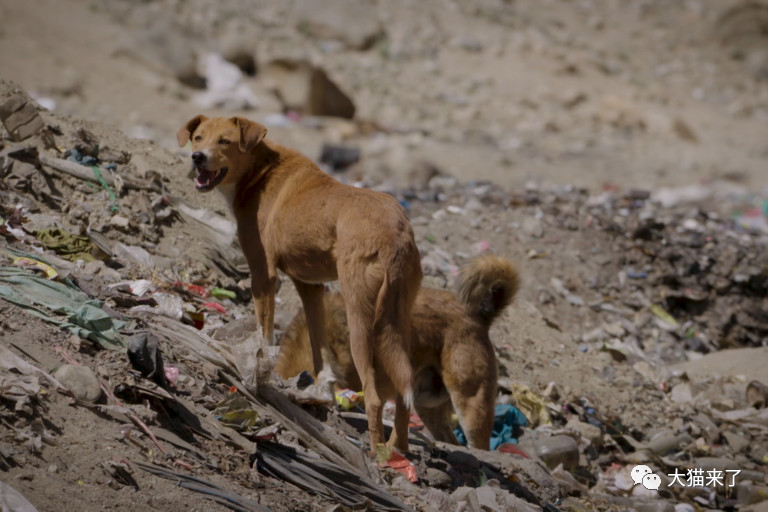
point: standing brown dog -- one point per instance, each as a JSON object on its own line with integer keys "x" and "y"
{"x": 294, "y": 217}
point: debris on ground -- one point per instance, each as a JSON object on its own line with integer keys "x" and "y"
{"x": 631, "y": 366}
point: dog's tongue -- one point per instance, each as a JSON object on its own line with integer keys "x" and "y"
{"x": 204, "y": 177}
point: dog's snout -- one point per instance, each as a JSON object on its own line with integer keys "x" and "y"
{"x": 198, "y": 157}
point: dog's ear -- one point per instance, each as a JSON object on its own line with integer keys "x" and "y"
{"x": 186, "y": 131}
{"x": 250, "y": 133}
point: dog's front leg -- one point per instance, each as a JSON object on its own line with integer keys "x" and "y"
{"x": 263, "y": 290}
{"x": 263, "y": 280}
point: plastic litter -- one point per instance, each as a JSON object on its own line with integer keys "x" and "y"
{"x": 215, "y": 306}
{"x": 134, "y": 254}
{"x": 507, "y": 426}
{"x": 13, "y": 501}
{"x": 664, "y": 316}
{"x": 348, "y": 399}
{"x": 84, "y": 317}
{"x": 533, "y": 406}
{"x": 68, "y": 246}
{"x": 221, "y": 293}
{"x": 225, "y": 83}
{"x": 46, "y": 269}
{"x": 194, "y": 289}
{"x": 389, "y": 458}
{"x": 144, "y": 354}
{"x": 237, "y": 413}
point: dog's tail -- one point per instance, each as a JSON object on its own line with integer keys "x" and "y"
{"x": 392, "y": 320}
{"x": 486, "y": 286}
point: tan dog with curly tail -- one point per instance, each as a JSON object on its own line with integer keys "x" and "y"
{"x": 294, "y": 217}
{"x": 453, "y": 358}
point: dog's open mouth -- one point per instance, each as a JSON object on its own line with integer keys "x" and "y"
{"x": 206, "y": 180}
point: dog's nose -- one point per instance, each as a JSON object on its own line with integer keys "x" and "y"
{"x": 198, "y": 157}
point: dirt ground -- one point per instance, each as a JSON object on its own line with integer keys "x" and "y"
{"x": 614, "y": 151}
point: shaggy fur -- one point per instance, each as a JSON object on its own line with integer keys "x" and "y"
{"x": 452, "y": 356}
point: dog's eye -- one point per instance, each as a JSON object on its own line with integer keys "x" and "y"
{"x": 224, "y": 142}
{"x": 198, "y": 138}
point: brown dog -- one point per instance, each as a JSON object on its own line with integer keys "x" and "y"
{"x": 293, "y": 217}
{"x": 453, "y": 359}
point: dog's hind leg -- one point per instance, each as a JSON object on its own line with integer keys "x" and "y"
{"x": 399, "y": 436}
{"x": 360, "y": 343}
{"x": 360, "y": 284}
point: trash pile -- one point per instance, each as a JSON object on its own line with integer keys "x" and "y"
{"x": 131, "y": 367}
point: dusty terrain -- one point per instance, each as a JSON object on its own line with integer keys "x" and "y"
{"x": 615, "y": 151}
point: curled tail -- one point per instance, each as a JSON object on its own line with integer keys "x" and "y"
{"x": 486, "y": 286}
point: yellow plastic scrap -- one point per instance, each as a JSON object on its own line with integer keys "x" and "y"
{"x": 531, "y": 404}
{"x": 348, "y": 399}
{"x": 236, "y": 412}
{"x": 24, "y": 262}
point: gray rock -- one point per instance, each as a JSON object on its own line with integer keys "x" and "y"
{"x": 654, "y": 506}
{"x": 467, "y": 495}
{"x": 719, "y": 463}
{"x": 736, "y": 441}
{"x": 302, "y": 87}
{"x": 590, "y": 432}
{"x": 437, "y": 479}
{"x": 353, "y": 23}
{"x": 80, "y": 380}
{"x": 486, "y": 497}
{"x": 534, "y": 227}
{"x": 667, "y": 441}
{"x": 558, "y": 450}
{"x": 681, "y": 393}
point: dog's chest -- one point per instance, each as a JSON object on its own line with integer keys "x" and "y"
{"x": 228, "y": 191}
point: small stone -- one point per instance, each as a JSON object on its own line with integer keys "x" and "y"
{"x": 467, "y": 495}
{"x": 557, "y": 450}
{"x": 590, "y": 432}
{"x": 652, "y": 505}
{"x": 681, "y": 393}
{"x": 667, "y": 441}
{"x": 354, "y": 24}
{"x": 736, "y": 441}
{"x": 615, "y": 329}
{"x": 684, "y": 131}
{"x": 486, "y": 497}
{"x": 80, "y": 380}
{"x": 748, "y": 493}
{"x": 720, "y": 463}
{"x": 119, "y": 221}
{"x": 437, "y": 479}
{"x": 534, "y": 227}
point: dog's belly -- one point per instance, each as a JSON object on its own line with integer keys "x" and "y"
{"x": 312, "y": 267}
